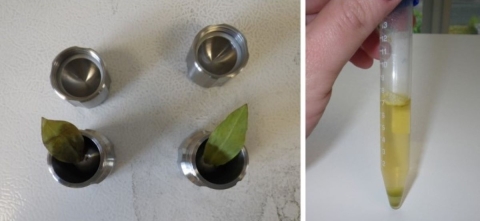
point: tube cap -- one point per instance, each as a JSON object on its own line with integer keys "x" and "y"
{"x": 405, "y": 3}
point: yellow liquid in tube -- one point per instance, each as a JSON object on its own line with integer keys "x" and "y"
{"x": 395, "y": 144}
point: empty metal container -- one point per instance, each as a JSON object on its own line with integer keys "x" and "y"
{"x": 79, "y": 76}
{"x": 218, "y": 53}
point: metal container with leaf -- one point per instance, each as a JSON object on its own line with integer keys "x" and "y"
{"x": 228, "y": 138}
{"x": 76, "y": 158}
{"x": 218, "y": 159}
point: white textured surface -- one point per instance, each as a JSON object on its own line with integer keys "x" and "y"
{"x": 344, "y": 181}
{"x": 151, "y": 109}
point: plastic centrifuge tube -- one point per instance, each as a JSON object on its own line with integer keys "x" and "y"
{"x": 395, "y": 88}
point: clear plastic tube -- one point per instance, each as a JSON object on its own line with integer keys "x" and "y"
{"x": 395, "y": 89}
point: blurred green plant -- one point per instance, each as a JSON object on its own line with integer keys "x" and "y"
{"x": 465, "y": 29}
{"x": 417, "y": 27}
{"x": 471, "y": 25}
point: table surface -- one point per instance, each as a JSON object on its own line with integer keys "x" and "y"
{"x": 152, "y": 107}
{"x": 344, "y": 181}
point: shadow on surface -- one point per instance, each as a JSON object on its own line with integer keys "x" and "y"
{"x": 425, "y": 90}
{"x": 122, "y": 66}
{"x": 266, "y": 39}
{"x": 132, "y": 135}
{"x": 174, "y": 52}
{"x": 352, "y": 90}
{"x": 131, "y": 52}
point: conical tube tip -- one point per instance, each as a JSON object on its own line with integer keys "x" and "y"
{"x": 395, "y": 198}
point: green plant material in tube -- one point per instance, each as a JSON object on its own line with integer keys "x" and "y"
{"x": 63, "y": 140}
{"x": 227, "y": 140}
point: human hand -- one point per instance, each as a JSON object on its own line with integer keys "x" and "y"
{"x": 338, "y": 31}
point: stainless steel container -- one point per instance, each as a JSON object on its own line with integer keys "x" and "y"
{"x": 79, "y": 76}
{"x": 221, "y": 177}
{"x": 97, "y": 166}
{"x": 218, "y": 53}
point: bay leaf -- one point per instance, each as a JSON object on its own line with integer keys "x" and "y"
{"x": 228, "y": 138}
{"x": 63, "y": 140}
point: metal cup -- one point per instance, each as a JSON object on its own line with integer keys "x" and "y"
{"x": 94, "y": 169}
{"x": 218, "y": 53}
{"x": 79, "y": 76}
{"x": 221, "y": 177}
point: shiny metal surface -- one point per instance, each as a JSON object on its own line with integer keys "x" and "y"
{"x": 218, "y": 53}
{"x": 222, "y": 177}
{"x": 98, "y": 164}
{"x": 80, "y": 77}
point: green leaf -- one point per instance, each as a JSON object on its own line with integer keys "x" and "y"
{"x": 63, "y": 140}
{"x": 227, "y": 140}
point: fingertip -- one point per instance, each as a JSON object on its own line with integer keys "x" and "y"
{"x": 363, "y": 65}
{"x": 371, "y": 45}
{"x": 361, "y": 59}
{"x": 369, "y": 64}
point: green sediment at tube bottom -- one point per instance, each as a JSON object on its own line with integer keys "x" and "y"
{"x": 395, "y": 198}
